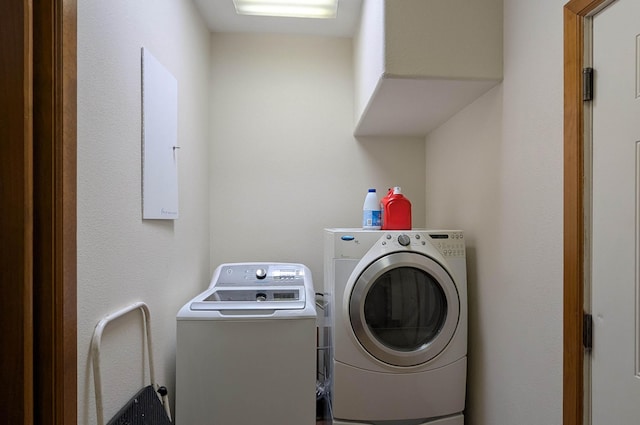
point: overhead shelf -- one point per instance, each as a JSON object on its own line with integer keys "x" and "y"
{"x": 418, "y": 62}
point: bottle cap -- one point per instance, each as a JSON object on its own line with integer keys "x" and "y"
{"x": 372, "y": 190}
{"x": 397, "y": 190}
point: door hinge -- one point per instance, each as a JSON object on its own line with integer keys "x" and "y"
{"x": 587, "y": 84}
{"x": 587, "y": 331}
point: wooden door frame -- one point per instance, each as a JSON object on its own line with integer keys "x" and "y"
{"x": 54, "y": 218}
{"x": 38, "y": 204}
{"x": 16, "y": 204}
{"x": 575, "y": 12}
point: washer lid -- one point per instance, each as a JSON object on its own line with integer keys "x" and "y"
{"x": 404, "y": 308}
{"x": 252, "y": 298}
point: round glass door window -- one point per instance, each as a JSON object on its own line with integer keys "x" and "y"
{"x": 404, "y": 309}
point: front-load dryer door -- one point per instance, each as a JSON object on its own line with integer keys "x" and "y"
{"x": 404, "y": 309}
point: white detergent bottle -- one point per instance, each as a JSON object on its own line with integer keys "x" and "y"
{"x": 371, "y": 211}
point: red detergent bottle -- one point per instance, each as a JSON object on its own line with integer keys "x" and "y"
{"x": 396, "y": 210}
{"x": 383, "y": 206}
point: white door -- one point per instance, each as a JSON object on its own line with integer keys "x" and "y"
{"x": 615, "y": 215}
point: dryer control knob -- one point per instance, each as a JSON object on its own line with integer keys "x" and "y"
{"x": 261, "y": 273}
{"x": 404, "y": 240}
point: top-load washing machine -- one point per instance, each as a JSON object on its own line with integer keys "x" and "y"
{"x": 246, "y": 348}
{"x": 397, "y": 312}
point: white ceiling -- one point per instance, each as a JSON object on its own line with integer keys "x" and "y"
{"x": 221, "y": 16}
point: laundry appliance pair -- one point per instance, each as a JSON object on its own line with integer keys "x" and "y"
{"x": 397, "y": 326}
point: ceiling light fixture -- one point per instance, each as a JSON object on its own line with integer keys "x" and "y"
{"x": 288, "y": 8}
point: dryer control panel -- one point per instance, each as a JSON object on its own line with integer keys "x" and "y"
{"x": 355, "y": 243}
{"x": 400, "y": 239}
{"x": 450, "y": 244}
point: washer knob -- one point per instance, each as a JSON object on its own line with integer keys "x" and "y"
{"x": 261, "y": 273}
{"x": 404, "y": 240}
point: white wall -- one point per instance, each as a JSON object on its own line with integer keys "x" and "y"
{"x": 121, "y": 258}
{"x": 506, "y": 192}
{"x": 284, "y": 163}
{"x": 369, "y": 49}
{"x": 269, "y": 159}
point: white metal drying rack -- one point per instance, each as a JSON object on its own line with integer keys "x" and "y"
{"x": 95, "y": 350}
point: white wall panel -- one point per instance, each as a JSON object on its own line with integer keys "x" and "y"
{"x": 284, "y": 163}
{"x": 507, "y": 195}
{"x": 122, "y": 258}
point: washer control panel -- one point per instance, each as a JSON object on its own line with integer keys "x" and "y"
{"x": 259, "y": 274}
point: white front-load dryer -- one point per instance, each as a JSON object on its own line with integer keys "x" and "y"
{"x": 397, "y": 313}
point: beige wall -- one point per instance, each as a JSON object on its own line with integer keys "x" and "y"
{"x": 121, "y": 258}
{"x": 452, "y": 39}
{"x": 269, "y": 159}
{"x": 506, "y": 192}
{"x": 283, "y": 161}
